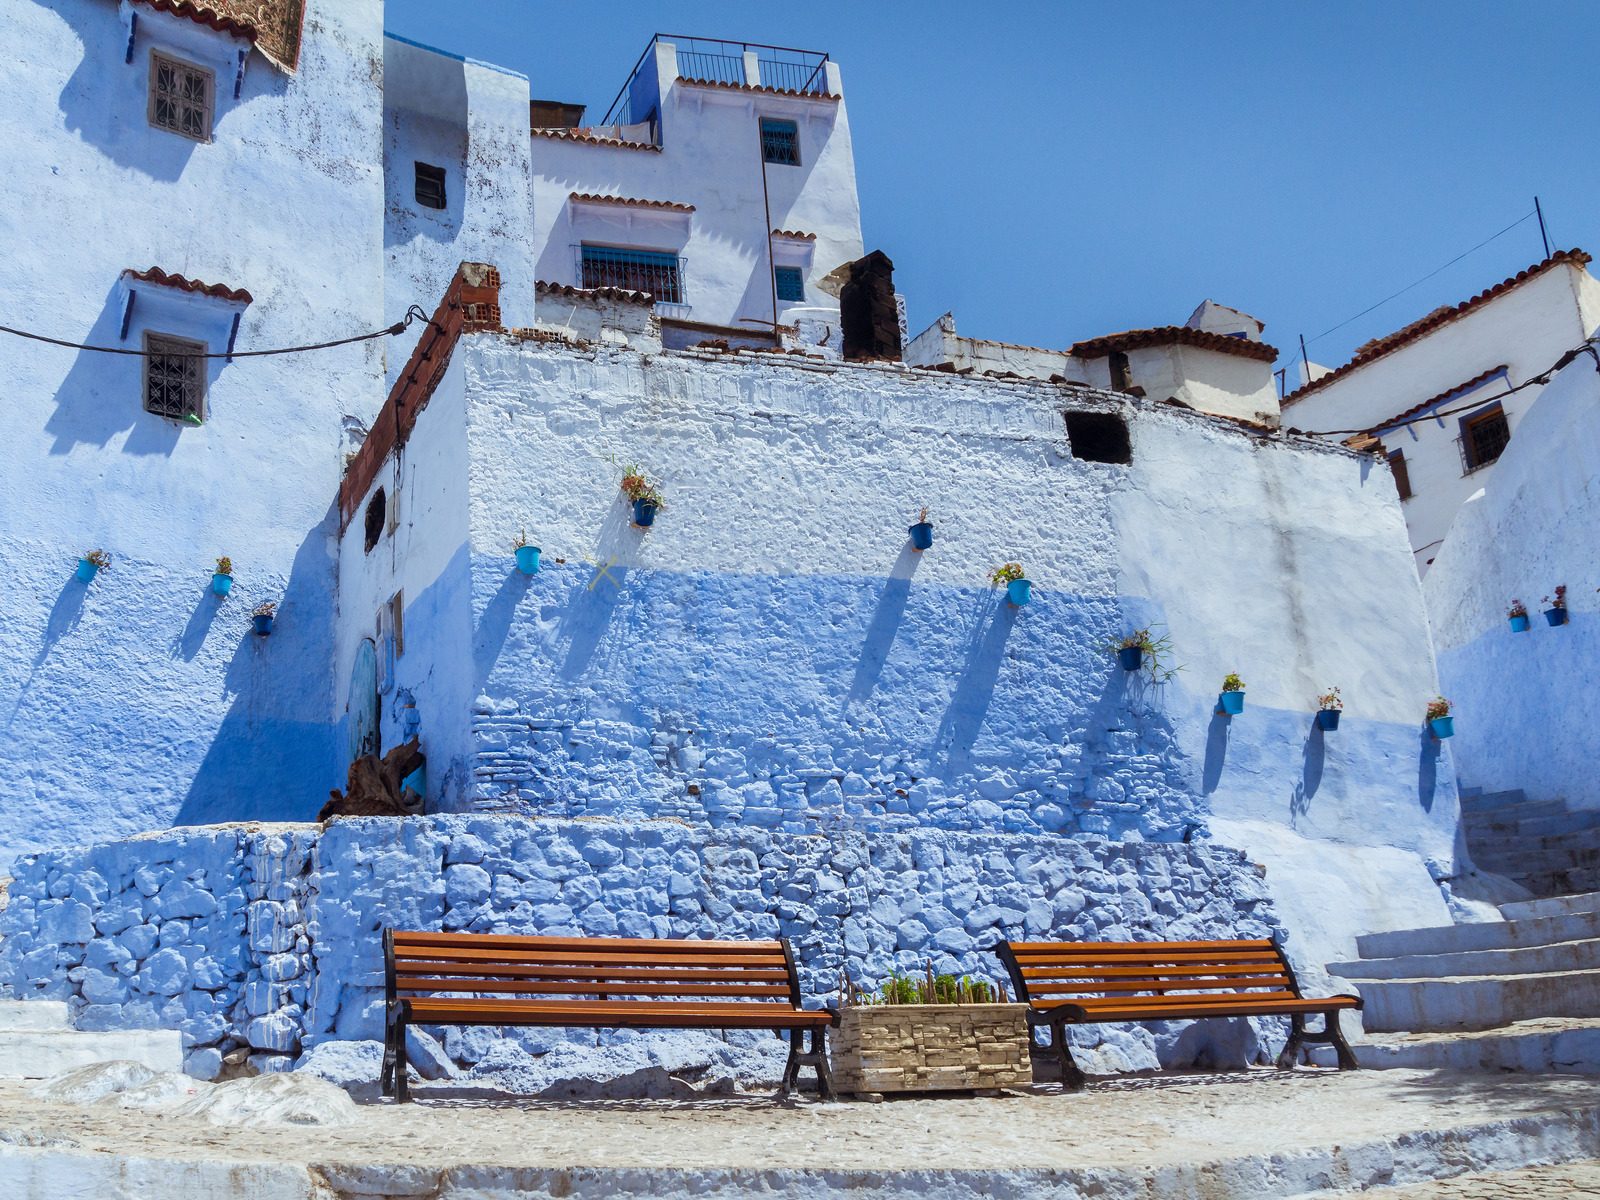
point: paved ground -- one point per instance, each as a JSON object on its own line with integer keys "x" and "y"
{"x": 1581, "y": 1179}
{"x": 1242, "y": 1135}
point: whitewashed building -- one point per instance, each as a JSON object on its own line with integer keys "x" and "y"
{"x": 1436, "y": 391}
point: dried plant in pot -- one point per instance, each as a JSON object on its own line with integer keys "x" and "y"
{"x": 1517, "y": 615}
{"x": 921, "y": 531}
{"x": 1440, "y": 720}
{"x": 262, "y": 616}
{"x": 527, "y": 554}
{"x": 930, "y": 1033}
{"x": 644, "y": 492}
{"x": 1329, "y": 707}
{"x": 222, "y": 577}
{"x": 1555, "y": 612}
{"x": 92, "y": 563}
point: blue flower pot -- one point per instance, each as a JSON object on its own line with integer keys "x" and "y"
{"x": 87, "y": 570}
{"x": 1328, "y": 718}
{"x": 1443, "y": 727}
{"x": 1556, "y": 616}
{"x": 1131, "y": 657}
{"x": 527, "y": 559}
{"x": 644, "y": 513}
{"x": 263, "y": 625}
{"x": 1519, "y": 624}
{"x": 221, "y": 584}
{"x": 921, "y": 535}
{"x": 1231, "y": 703}
{"x": 1019, "y": 591}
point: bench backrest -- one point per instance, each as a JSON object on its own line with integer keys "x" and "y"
{"x": 1107, "y": 973}
{"x": 568, "y": 968}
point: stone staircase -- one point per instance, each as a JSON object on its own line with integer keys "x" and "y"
{"x": 1520, "y": 994}
{"x": 37, "y": 1040}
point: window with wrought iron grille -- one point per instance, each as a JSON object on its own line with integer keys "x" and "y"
{"x": 174, "y": 380}
{"x": 653, "y": 271}
{"x": 181, "y": 97}
{"x": 791, "y": 283}
{"x": 780, "y": 141}
{"x": 1484, "y": 436}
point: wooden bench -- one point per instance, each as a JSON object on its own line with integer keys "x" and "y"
{"x": 1085, "y": 983}
{"x": 602, "y": 983}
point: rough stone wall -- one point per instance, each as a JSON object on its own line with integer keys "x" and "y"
{"x": 268, "y": 937}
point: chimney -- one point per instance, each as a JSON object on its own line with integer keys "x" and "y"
{"x": 869, "y": 318}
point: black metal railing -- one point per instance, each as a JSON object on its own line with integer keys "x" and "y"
{"x": 653, "y": 271}
{"x": 809, "y": 78}
{"x": 715, "y": 60}
{"x": 711, "y": 68}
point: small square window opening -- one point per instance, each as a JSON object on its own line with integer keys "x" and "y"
{"x": 780, "y": 141}
{"x": 430, "y": 186}
{"x": 181, "y": 97}
{"x": 1484, "y": 436}
{"x": 791, "y": 284}
{"x": 174, "y": 379}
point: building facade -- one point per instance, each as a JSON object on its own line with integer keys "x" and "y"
{"x": 1436, "y": 395}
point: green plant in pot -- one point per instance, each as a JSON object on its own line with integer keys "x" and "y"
{"x": 1019, "y": 588}
{"x": 1329, "y": 705}
{"x": 1440, "y": 719}
{"x": 1231, "y": 701}
{"x": 644, "y": 492}
{"x": 222, "y": 577}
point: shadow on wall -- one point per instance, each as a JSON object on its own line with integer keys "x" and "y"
{"x": 887, "y": 615}
{"x": 105, "y": 102}
{"x": 100, "y": 395}
{"x": 969, "y": 704}
{"x": 1216, "y": 751}
{"x": 1313, "y": 759}
{"x": 1429, "y": 750}
{"x": 446, "y": 149}
{"x": 188, "y": 644}
{"x": 65, "y": 614}
{"x": 274, "y": 755}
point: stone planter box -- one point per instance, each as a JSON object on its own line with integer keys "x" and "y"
{"x": 931, "y": 1048}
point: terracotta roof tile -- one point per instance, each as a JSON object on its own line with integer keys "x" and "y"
{"x": 545, "y": 288}
{"x": 626, "y": 201}
{"x": 1174, "y": 335}
{"x": 1389, "y": 343}
{"x": 1447, "y": 394}
{"x": 794, "y": 233}
{"x": 589, "y": 139}
{"x": 273, "y": 25}
{"x": 749, "y": 87}
{"x": 216, "y": 290}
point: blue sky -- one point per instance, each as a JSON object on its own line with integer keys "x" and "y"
{"x": 1053, "y": 171}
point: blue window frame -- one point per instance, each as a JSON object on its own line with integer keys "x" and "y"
{"x": 791, "y": 283}
{"x": 655, "y": 271}
{"x": 780, "y": 141}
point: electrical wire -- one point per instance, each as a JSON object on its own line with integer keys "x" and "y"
{"x": 412, "y": 314}
{"x": 1542, "y": 378}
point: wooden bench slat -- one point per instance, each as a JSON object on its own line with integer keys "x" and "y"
{"x": 585, "y": 945}
{"x": 1021, "y": 948}
{"x": 417, "y": 983}
{"x": 615, "y": 1014}
{"x": 1119, "y": 972}
{"x": 1176, "y": 958}
{"x": 1238, "y": 1006}
{"x": 518, "y": 970}
{"x": 1162, "y": 985}
{"x": 579, "y": 958}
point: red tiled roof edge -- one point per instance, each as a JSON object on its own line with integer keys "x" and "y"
{"x": 471, "y": 304}
{"x": 1444, "y": 395}
{"x": 1379, "y": 347}
{"x": 206, "y": 14}
{"x": 572, "y": 135}
{"x": 546, "y": 288}
{"x": 762, "y": 88}
{"x": 218, "y": 291}
{"x": 1174, "y": 335}
{"x": 275, "y": 26}
{"x": 630, "y": 202}
{"x": 794, "y": 233}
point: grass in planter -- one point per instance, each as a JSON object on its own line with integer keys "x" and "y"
{"x": 927, "y": 988}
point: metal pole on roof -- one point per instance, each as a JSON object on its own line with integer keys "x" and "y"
{"x": 1542, "y": 232}
{"x": 1304, "y": 358}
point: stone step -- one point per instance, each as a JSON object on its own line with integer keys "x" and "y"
{"x": 1546, "y": 826}
{"x": 1477, "y": 1001}
{"x": 1483, "y": 935}
{"x": 1548, "y": 884}
{"x": 41, "y": 1053}
{"x": 1520, "y": 960}
{"x": 33, "y": 1014}
{"x": 1475, "y": 801}
{"x": 1551, "y": 906}
{"x": 1570, "y": 1045}
{"x": 1505, "y": 855}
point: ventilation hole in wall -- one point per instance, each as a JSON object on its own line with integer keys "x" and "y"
{"x": 375, "y": 513}
{"x": 1099, "y": 437}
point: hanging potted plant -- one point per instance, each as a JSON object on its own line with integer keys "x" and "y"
{"x": 1019, "y": 588}
{"x": 1556, "y": 612}
{"x": 1232, "y": 699}
{"x": 527, "y": 555}
{"x": 1143, "y": 650}
{"x": 922, "y": 532}
{"x": 1440, "y": 721}
{"x": 222, "y": 578}
{"x": 262, "y": 615}
{"x": 92, "y": 563}
{"x": 1329, "y": 705}
{"x": 1517, "y": 614}
{"x": 645, "y": 494}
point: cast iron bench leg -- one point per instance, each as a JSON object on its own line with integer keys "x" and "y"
{"x": 791, "y": 1069}
{"x": 1291, "y": 1048}
{"x": 1072, "y": 1078}
{"x": 1331, "y": 1035}
{"x": 819, "y": 1054}
{"x": 386, "y": 1077}
{"x": 402, "y": 1090}
{"x": 1334, "y": 1034}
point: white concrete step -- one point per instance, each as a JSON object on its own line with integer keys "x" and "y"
{"x": 1508, "y": 822}
{"x": 1569, "y": 1045}
{"x": 1530, "y": 856}
{"x": 1520, "y": 960}
{"x": 1475, "y": 801}
{"x": 1477, "y": 1001}
{"x": 1552, "y": 906}
{"x": 33, "y": 1014}
{"x": 1482, "y": 935}
{"x": 41, "y": 1053}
